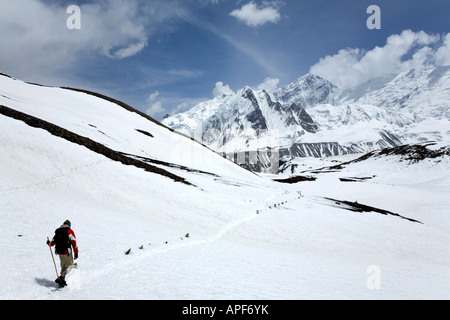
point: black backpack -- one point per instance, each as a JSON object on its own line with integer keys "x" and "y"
{"x": 62, "y": 241}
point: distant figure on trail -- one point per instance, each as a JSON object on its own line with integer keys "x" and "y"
{"x": 65, "y": 244}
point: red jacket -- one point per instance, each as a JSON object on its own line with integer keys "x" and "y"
{"x": 72, "y": 238}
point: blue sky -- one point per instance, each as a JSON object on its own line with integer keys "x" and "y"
{"x": 165, "y": 56}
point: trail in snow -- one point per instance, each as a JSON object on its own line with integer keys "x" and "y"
{"x": 148, "y": 252}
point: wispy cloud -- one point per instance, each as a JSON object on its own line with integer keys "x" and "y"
{"x": 255, "y": 55}
{"x": 154, "y": 105}
{"x": 157, "y": 104}
{"x": 185, "y": 73}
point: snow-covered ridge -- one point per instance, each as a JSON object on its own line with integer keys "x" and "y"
{"x": 127, "y": 131}
{"x": 240, "y": 119}
{"x": 308, "y": 91}
{"x": 311, "y": 114}
{"x": 88, "y": 143}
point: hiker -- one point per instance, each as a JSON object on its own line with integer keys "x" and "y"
{"x": 64, "y": 241}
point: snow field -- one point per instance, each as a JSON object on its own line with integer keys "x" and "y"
{"x": 240, "y": 246}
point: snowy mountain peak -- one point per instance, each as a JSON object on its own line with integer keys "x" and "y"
{"x": 308, "y": 90}
{"x": 313, "y": 117}
{"x": 243, "y": 120}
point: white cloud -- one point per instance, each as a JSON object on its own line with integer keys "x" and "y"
{"x": 153, "y": 96}
{"x": 269, "y": 84}
{"x": 35, "y": 42}
{"x": 254, "y": 16}
{"x": 111, "y": 27}
{"x": 443, "y": 53}
{"x": 221, "y": 89}
{"x": 159, "y": 105}
{"x": 408, "y": 50}
{"x": 129, "y": 50}
{"x": 115, "y": 26}
{"x": 154, "y": 107}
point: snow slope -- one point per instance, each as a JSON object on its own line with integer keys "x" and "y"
{"x": 240, "y": 245}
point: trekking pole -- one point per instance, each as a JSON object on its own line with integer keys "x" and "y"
{"x": 54, "y": 263}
